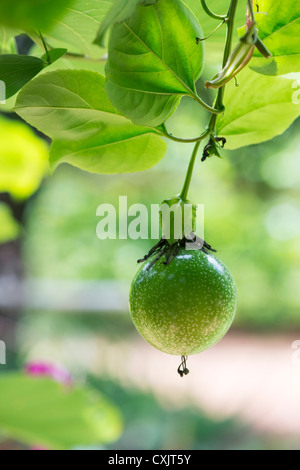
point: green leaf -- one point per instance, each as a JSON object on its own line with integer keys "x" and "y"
{"x": 120, "y": 11}
{"x": 17, "y": 70}
{"x": 259, "y": 109}
{"x": 52, "y": 56}
{"x": 6, "y": 105}
{"x": 23, "y": 159}
{"x": 130, "y": 152}
{"x": 39, "y": 411}
{"x": 78, "y": 28}
{"x": 31, "y": 14}
{"x": 153, "y": 60}
{"x": 72, "y": 108}
{"x": 279, "y": 28}
{"x": 9, "y": 227}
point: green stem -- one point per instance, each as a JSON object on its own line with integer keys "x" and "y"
{"x": 165, "y": 133}
{"x": 210, "y": 13}
{"x": 188, "y": 179}
{"x": 213, "y": 110}
{"x": 250, "y": 4}
{"x": 220, "y": 97}
{"x": 45, "y": 47}
{"x": 228, "y": 47}
{"x": 214, "y": 31}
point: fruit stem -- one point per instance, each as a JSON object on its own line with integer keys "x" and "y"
{"x": 188, "y": 179}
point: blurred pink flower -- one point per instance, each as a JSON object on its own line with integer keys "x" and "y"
{"x": 42, "y": 369}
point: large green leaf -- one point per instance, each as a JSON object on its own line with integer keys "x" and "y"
{"x": 17, "y": 70}
{"x": 120, "y": 10}
{"x": 72, "y": 108}
{"x": 23, "y": 159}
{"x": 154, "y": 60}
{"x": 259, "y": 109}
{"x": 78, "y": 28}
{"x": 39, "y": 411}
{"x": 31, "y": 14}
{"x": 279, "y": 27}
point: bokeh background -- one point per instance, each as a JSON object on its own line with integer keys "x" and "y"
{"x": 64, "y": 293}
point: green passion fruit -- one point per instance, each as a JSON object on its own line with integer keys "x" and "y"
{"x": 185, "y": 307}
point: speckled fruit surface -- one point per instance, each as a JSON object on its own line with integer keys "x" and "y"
{"x": 186, "y": 307}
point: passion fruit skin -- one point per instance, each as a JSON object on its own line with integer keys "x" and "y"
{"x": 186, "y": 307}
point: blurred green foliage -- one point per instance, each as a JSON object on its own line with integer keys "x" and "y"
{"x": 9, "y": 227}
{"x": 62, "y": 418}
{"x": 32, "y": 14}
{"x": 23, "y": 159}
{"x": 7, "y": 41}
